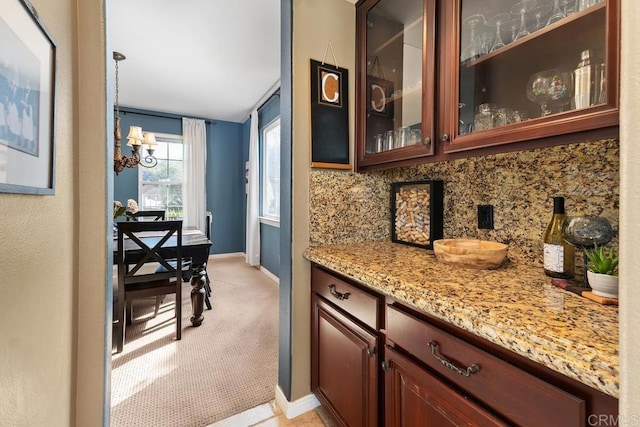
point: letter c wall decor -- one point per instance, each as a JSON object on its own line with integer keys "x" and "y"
{"x": 329, "y": 116}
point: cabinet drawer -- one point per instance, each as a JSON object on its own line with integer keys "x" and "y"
{"x": 357, "y": 302}
{"x": 517, "y": 395}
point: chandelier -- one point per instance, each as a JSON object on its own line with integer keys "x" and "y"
{"x": 136, "y": 138}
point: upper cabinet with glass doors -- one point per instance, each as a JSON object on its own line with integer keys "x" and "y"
{"x": 508, "y": 71}
{"x": 529, "y": 69}
{"x": 395, "y": 84}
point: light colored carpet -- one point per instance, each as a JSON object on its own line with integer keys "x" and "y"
{"x": 223, "y": 367}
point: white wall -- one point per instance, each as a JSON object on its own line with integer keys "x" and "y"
{"x": 38, "y": 265}
{"x": 315, "y": 22}
{"x": 630, "y": 216}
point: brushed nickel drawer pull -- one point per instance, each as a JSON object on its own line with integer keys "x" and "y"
{"x": 338, "y": 295}
{"x": 435, "y": 351}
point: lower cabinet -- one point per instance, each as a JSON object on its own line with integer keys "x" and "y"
{"x": 377, "y": 364}
{"x": 345, "y": 367}
{"x": 415, "y": 398}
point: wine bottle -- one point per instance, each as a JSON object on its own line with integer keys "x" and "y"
{"x": 559, "y": 258}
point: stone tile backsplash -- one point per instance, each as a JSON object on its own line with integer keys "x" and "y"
{"x": 349, "y": 207}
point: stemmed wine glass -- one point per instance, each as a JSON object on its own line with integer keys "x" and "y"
{"x": 521, "y": 9}
{"x": 566, "y": 9}
{"x": 557, "y": 13}
{"x": 473, "y": 49}
{"x": 549, "y": 87}
{"x": 540, "y": 12}
{"x": 585, "y": 232}
{"x": 497, "y": 21}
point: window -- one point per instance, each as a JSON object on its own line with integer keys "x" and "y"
{"x": 160, "y": 187}
{"x": 270, "y": 150}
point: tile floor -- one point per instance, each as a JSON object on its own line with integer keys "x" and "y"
{"x": 268, "y": 415}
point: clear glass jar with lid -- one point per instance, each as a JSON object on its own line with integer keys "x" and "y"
{"x": 484, "y": 117}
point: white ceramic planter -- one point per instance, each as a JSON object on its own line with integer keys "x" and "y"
{"x": 603, "y": 285}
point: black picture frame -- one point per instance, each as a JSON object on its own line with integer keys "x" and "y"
{"x": 329, "y": 116}
{"x": 424, "y": 204}
{"x": 27, "y": 101}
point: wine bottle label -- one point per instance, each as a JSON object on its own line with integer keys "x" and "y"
{"x": 554, "y": 257}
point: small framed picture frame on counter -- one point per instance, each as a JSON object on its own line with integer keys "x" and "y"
{"x": 417, "y": 212}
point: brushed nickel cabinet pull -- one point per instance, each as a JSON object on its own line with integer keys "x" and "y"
{"x": 370, "y": 352}
{"x": 467, "y": 372}
{"x": 385, "y": 366}
{"x": 338, "y": 295}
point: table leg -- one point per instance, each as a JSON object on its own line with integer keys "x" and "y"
{"x": 197, "y": 295}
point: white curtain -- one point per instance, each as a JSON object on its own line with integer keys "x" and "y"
{"x": 194, "y": 188}
{"x": 253, "y": 196}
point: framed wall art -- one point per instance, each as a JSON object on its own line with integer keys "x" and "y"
{"x": 27, "y": 83}
{"x": 329, "y": 116}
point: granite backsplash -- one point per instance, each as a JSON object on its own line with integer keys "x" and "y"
{"x": 347, "y": 207}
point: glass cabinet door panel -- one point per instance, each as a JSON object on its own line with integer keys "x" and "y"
{"x": 526, "y": 62}
{"x": 394, "y": 75}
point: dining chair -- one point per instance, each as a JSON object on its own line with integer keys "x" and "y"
{"x": 136, "y": 279}
{"x": 158, "y": 215}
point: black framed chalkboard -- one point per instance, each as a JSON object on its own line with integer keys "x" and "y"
{"x": 329, "y": 116}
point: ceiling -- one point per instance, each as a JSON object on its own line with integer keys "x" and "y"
{"x": 204, "y": 58}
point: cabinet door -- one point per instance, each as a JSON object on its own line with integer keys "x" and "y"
{"x": 395, "y": 81}
{"x": 344, "y": 366}
{"x": 413, "y": 397}
{"x": 529, "y": 69}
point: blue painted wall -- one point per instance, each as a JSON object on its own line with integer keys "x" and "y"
{"x": 286, "y": 113}
{"x": 270, "y": 248}
{"x": 269, "y": 235}
{"x": 246, "y": 135}
{"x": 225, "y": 173}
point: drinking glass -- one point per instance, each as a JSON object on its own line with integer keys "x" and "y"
{"x": 521, "y": 9}
{"x": 389, "y": 138}
{"x": 498, "y": 21}
{"x": 473, "y": 49}
{"x": 600, "y": 93}
{"x": 379, "y": 143}
{"x": 557, "y": 14}
{"x": 416, "y": 136}
{"x": 402, "y": 136}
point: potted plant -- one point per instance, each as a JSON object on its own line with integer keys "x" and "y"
{"x": 602, "y": 271}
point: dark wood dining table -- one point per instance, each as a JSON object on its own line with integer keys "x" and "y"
{"x": 195, "y": 245}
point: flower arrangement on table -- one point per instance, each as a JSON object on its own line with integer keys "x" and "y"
{"x": 126, "y": 211}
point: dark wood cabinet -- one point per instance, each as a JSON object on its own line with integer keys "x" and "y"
{"x": 416, "y": 398}
{"x": 378, "y": 362}
{"x": 493, "y": 76}
{"x": 345, "y": 352}
{"x": 395, "y": 81}
{"x": 518, "y": 396}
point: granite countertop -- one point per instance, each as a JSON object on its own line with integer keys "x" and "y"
{"x": 514, "y": 306}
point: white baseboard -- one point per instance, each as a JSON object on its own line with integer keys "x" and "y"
{"x": 270, "y": 275}
{"x": 298, "y": 407}
{"x": 227, "y": 255}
